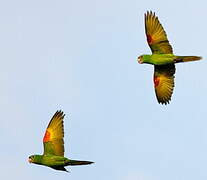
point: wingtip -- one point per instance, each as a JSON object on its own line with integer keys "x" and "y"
{"x": 150, "y": 12}
{"x": 164, "y": 102}
{"x": 60, "y": 112}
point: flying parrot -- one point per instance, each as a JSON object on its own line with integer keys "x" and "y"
{"x": 53, "y": 142}
{"x": 162, "y": 58}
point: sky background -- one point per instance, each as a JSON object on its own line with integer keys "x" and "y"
{"x": 81, "y": 57}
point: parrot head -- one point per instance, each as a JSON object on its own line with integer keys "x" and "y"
{"x": 36, "y": 159}
{"x": 140, "y": 59}
{"x": 31, "y": 159}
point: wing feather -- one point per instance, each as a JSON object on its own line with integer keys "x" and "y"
{"x": 164, "y": 82}
{"x": 53, "y": 138}
{"x": 156, "y": 36}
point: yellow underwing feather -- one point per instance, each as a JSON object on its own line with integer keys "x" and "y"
{"x": 53, "y": 138}
{"x": 164, "y": 82}
{"x": 156, "y": 36}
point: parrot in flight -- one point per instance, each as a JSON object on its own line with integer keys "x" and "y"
{"x": 53, "y": 142}
{"x": 162, "y": 58}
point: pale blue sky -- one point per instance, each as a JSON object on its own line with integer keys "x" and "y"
{"x": 80, "y": 56}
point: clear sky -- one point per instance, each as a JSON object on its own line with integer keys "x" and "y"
{"x": 80, "y": 56}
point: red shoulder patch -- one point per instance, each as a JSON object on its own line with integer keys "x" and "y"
{"x": 149, "y": 39}
{"x": 46, "y": 136}
{"x": 156, "y": 81}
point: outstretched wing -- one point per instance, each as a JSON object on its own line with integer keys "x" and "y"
{"x": 53, "y": 138}
{"x": 156, "y": 36}
{"x": 164, "y": 82}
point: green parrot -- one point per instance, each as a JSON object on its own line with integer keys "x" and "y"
{"x": 53, "y": 155}
{"x": 162, "y": 58}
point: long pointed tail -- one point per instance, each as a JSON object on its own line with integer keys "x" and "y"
{"x": 76, "y": 162}
{"x": 187, "y": 58}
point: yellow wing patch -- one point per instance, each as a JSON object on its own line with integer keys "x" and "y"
{"x": 156, "y": 36}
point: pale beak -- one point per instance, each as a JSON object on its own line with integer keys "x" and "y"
{"x": 30, "y": 160}
{"x": 139, "y": 60}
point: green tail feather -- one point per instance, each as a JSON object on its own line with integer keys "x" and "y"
{"x": 76, "y": 162}
{"x": 187, "y": 58}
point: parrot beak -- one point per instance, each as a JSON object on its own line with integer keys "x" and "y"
{"x": 30, "y": 160}
{"x": 139, "y": 60}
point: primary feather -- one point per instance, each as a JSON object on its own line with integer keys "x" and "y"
{"x": 164, "y": 82}
{"x": 156, "y": 36}
{"x": 53, "y": 138}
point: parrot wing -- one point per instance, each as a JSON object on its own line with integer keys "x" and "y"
{"x": 156, "y": 36}
{"x": 164, "y": 82}
{"x": 53, "y": 138}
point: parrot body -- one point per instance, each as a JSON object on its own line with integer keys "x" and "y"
{"x": 53, "y": 155}
{"x": 57, "y": 162}
{"x": 162, "y": 58}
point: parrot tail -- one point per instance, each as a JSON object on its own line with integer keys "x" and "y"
{"x": 76, "y": 162}
{"x": 187, "y": 58}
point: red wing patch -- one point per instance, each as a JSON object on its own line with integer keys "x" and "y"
{"x": 149, "y": 39}
{"x": 46, "y": 137}
{"x": 156, "y": 81}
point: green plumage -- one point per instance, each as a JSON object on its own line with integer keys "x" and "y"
{"x": 56, "y": 162}
{"x": 53, "y": 155}
{"x": 162, "y": 58}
